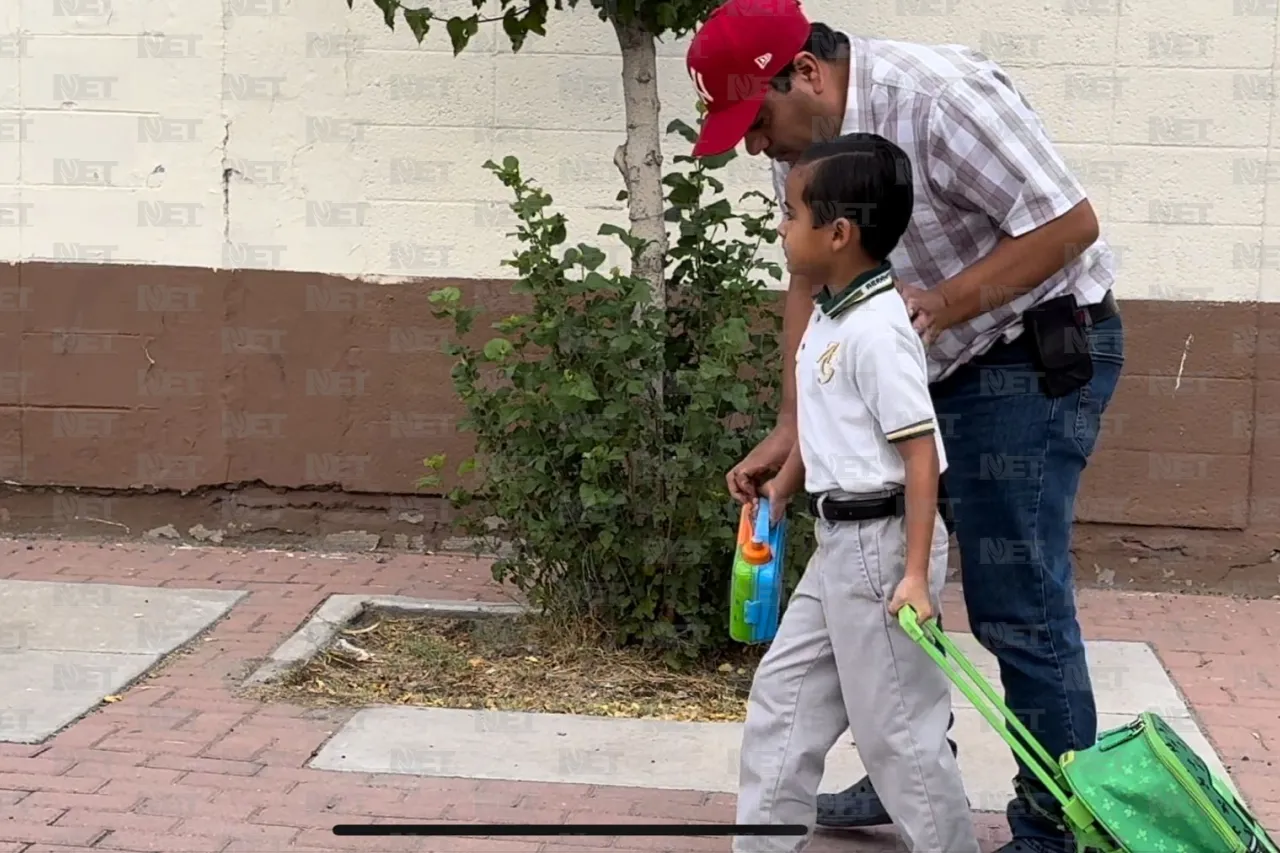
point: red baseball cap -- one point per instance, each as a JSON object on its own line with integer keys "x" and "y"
{"x": 733, "y": 56}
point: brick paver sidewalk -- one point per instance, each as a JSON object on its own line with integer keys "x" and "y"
{"x": 180, "y": 765}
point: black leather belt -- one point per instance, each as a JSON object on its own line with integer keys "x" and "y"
{"x": 857, "y": 509}
{"x": 1093, "y": 314}
{"x": 867, "y": 509}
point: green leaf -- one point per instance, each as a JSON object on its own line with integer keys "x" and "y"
{"x": 683, "y": 128}
{"x": 448, "y": 295}
{"x": 683, "y": 191}
{"x": 497, "y": 349}
{"x": 388, "y": 8}
{"x": 592, "y": 257}
{"x": 535, "y": 17}
{"x": 720, "y": 209}
{"x": 461, "y": 30}
{"x": 580, "y": 387}
{"x": 419, "y": 21}
{"x": 514, "y": 28}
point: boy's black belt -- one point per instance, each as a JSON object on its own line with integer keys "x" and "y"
{"x": 868, "y": 509}
{"x": 857, "y": 509}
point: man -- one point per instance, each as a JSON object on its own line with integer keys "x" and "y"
{"x": 1009, "y": 285}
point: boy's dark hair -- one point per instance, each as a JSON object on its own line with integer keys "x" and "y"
{"x": 824, "y": 43}
{"x": 866, "y": 179}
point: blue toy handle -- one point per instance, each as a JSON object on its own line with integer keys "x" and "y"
{"x": 762, "y": 521}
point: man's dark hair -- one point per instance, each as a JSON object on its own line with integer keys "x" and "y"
{"x": 866, "y": 179}
{"x": 824, "y": 43}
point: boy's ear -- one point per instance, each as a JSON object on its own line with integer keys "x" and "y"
{"x": 843, "y": 234}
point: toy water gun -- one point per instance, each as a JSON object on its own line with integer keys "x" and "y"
{"x": 755, "y": 598}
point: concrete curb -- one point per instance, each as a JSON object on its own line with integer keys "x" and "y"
{"x": 338, "y": 611}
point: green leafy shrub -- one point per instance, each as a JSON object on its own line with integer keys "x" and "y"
{"x": 605, "y": 420}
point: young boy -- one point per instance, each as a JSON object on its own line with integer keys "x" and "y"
{"x": 868, "y": 454}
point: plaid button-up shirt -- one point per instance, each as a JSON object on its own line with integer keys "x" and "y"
{"x": 982, "y": 166}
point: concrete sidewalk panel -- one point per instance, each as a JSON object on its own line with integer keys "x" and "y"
{"x": 93, "y": 617}
{"x": 45, "y": 690}
{"x": 66, "y": 646}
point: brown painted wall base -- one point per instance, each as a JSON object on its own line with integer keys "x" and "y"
{"x": 150, "y": 389}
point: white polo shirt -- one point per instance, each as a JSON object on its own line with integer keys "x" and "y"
{"x": 862, "y": 383}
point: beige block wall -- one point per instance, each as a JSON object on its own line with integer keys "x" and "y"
{"x": 296, "y": 134}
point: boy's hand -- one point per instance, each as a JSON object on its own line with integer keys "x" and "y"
{"x": 765, "y": 458}
{"x": 778, "y": 497}
{"x": 914, "y": 591}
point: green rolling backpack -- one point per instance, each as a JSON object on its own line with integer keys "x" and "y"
{"x": 1139, "y": 789}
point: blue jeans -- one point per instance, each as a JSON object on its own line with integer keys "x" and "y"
{"x": 1015, "y": 458}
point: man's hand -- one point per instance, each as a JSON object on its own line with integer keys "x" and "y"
{"x": 913, "y": 591}
{"x": 928, "y": 310}
{"x": 767, "y": 458}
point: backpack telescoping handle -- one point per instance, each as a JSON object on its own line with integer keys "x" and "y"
{"x": 983, "y": 696}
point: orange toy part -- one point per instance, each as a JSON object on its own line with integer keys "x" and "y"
{"x": 755, "y": 553}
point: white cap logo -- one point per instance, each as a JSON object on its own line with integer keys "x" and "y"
{"x": 700, "y": 85}
{"x": 763, "y": 59}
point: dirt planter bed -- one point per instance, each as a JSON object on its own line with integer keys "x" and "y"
{"x": 496, "y": 657}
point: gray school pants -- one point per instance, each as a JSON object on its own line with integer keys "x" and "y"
{"x": 840, "y": 661}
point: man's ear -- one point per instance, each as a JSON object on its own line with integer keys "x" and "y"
{"x": 808, "y": 70}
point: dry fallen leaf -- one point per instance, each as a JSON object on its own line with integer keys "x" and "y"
{"x": 112, "y": 698}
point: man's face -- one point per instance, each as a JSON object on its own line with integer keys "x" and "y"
{"x": 810, "y": 109}
{"x": 783, "y": 129}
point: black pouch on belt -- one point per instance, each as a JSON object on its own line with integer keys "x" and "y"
{"x": 1058, "y": 335}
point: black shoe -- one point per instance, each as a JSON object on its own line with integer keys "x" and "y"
{"x": 859, "y": 806}
{"x": 853, "y": 808}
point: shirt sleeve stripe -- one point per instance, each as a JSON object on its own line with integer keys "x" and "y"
{"x": 913, "y": 431}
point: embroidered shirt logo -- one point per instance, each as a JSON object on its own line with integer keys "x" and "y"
{"x": 826, "y": 364}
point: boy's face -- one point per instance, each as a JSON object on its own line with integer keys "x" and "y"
{"x": 810, "y": 251}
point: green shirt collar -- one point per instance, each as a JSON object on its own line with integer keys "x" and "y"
{"x": 859, "y": 290}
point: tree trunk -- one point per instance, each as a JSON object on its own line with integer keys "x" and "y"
{"x": 640, "y": 157}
